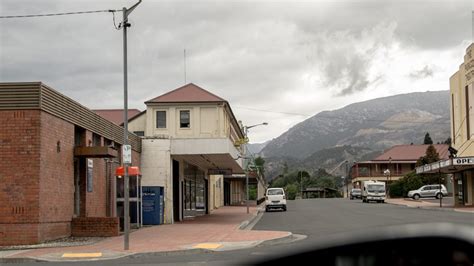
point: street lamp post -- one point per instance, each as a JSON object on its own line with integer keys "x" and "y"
{"x": 301, "y": 184}
{"x": 347, "y": 181}
{"x": 439, "y": 182}
{"x": 126, "y": 218}
{"x": 246, "y": 129}
{"x": 389, "y": 176}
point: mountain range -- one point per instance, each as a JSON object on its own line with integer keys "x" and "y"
{"x": 359, "y": 131}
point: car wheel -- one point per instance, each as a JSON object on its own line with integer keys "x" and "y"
{"x": 352, "y": 198}
{"x": 439, "y": 196}
{"x": 284, "y": 208}
{"x": 416, "y": 197}
{"x": 266, "y": 209}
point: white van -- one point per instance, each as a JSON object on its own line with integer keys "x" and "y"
{"x": 275, "y": 199}
{"x": 373, "y": 191}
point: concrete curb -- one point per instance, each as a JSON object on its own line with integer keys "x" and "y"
{"x": 248, "y": 224}
{"x": 56, "y": 257}
{"x": 446, "y": 209}
{"x": 281, "y": 240}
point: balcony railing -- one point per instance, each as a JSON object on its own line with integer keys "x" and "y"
{"x": 378, "y": 174}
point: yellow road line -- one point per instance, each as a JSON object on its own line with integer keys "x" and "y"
{"x": 208, "y": 245}
{"x": 82, "y": 255}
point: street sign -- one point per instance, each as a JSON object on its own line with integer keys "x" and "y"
{"x": 127, "y": 154}
{"x": 90, "y": 168}
{"x": 464, "y": 161}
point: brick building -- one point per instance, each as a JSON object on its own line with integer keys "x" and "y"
{"x": 57, "y": 165}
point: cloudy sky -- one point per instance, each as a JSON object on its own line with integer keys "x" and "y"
{"x": 275, "y": 61}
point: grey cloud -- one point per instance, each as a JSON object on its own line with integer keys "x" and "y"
{"x": 344, "y": 58}
{"x": 246, "y": 52}
{"x": 425, "y": 72}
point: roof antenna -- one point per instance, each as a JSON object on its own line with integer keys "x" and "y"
{"x": 184, "y": 66}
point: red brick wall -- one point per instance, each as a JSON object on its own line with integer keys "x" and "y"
{"x": 37, "y": 179}
{"x": 18, "y": 234}
{"x": 96, "y": 201}
{"x": 57, "y": 177}
{"x": 95, "y": 226}
{"x": 19, "y": 175}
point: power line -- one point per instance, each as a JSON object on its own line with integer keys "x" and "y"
{"x": 59, "y": 14}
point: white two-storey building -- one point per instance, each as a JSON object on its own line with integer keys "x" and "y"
{"x": 190, "y": 148}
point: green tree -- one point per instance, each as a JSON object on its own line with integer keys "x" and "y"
{"x": 428, "y": 139}
{"x": 431, "y": 156}
{"x": 447, "y": 141}
{"x": 260, "y": 164}
{"x": 291, "y": 191}
{"x": 278, "y": 182}
{"x": 252, "y": 192}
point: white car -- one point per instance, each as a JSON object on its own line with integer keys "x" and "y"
{"x": 428, "y": 191}
{"x": 275, "y": 199}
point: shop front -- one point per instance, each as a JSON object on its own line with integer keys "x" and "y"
{"x": 459, "y": 171}
{"x": 194, "y": 191}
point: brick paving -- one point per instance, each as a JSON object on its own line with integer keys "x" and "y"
{"x": 221, "y": 226}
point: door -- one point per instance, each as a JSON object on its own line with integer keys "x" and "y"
{"x": 425, "y": 191}
{"x": 77, "y": 188}
{"x": 176, "y": 191}
{"x": 226, "y": 193}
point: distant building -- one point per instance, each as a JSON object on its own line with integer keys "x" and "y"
{"x": 116, "y": 115}
{"x": 462, "y": 130}
{"x": 393, "y": 164}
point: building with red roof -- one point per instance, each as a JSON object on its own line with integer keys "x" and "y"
{"x": 398, "y": 160}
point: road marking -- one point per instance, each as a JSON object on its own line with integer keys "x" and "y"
{"x": 82, "y": 255}
{"x": 208, "y": 245}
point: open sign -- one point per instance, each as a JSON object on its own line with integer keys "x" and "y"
{"x": 463, "y": 161}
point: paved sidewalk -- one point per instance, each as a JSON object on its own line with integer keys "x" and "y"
{"x": 427, "y": 205}
{"x": 218, "y": 231}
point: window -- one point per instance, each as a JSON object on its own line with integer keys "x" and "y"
{"x": 184, "y": 121}
{"x": 160, "y": 119}
{"x": 96, "y": 140}
{"x": 453, "y": 119}
{"x": 468, "y": 134}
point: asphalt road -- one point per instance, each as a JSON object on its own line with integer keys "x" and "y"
{"x": 318, "y": 219}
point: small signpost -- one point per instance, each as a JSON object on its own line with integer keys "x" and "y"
{"x": 127, "y": 154}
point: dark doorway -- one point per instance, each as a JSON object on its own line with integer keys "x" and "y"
{"x": 206, "y": 195}
{"x": 176, "y": 190}
{"x": 226, "y": 193}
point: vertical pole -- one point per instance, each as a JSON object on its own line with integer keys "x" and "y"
{"x": 301, "y": 184}
{"x": 347, "y": 182}
{"x": 246, "y": 170}
{"x": 439, "y": 182}
{"x": 126, "y": 206}
{"x": 184, "y": 66}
